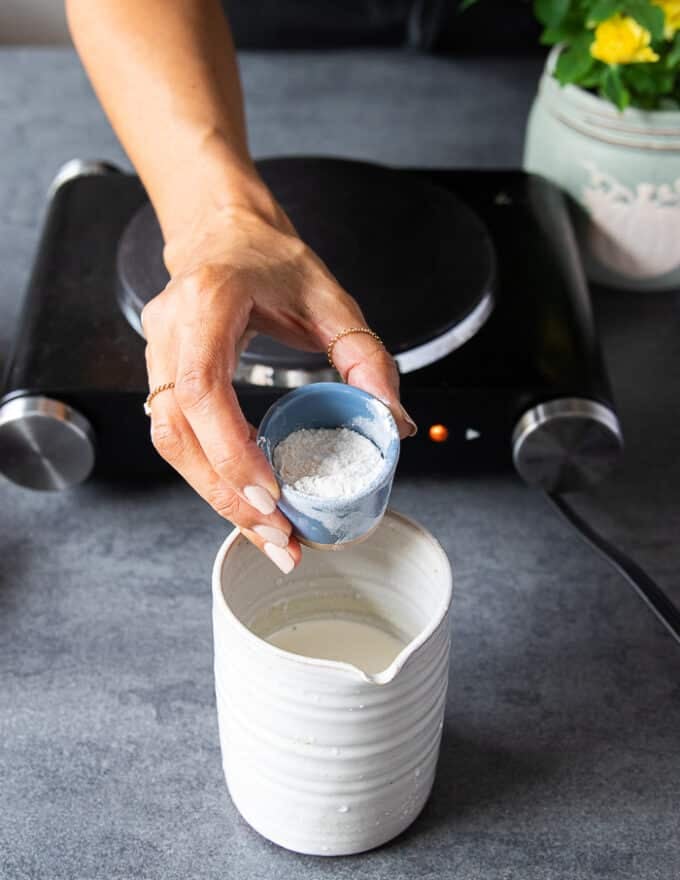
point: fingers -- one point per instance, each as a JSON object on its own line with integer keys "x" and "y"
{"x": 176, "y": 442}
{"x": 253, "y": 508}
{"x": 361, "y": 359}
{"x": 208, "y": 401}
{"x": 364, "y": 362}
{"x": 208, "y": 323}
{"x": 209, "y": 404}
{"x": 285, "y": 558}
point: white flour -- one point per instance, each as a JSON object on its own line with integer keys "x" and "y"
{"x": 328, "y": 462}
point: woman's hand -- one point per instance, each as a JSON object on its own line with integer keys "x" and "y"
{"x": 238, "y": 271}
{"x": 236, "y": 264}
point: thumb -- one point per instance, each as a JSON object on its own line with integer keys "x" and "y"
{"x": 363, "y": 361}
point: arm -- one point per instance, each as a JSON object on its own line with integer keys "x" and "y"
{"x": 166, "y": 74}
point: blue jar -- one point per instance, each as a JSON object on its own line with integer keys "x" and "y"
{"x": 330, "y": 523}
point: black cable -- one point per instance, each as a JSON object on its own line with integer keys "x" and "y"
{"x": 650, "y": 592}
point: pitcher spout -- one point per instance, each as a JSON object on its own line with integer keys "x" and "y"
{"x": 388, "y": 674}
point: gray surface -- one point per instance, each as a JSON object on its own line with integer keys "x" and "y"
{"x": 561, "y": 755}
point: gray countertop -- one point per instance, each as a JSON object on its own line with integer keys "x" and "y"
{"x": 561, "y": 753}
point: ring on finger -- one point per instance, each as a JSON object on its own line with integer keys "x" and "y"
{"x": 167, "y": 386}
{"x": 346, "y": 332}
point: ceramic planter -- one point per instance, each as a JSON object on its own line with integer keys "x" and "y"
{"x": 623, "y": 169}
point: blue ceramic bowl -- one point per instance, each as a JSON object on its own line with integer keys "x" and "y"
{"x": 329, "y": 523}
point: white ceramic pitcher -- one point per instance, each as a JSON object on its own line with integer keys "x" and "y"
{"x": 319, "y": 756}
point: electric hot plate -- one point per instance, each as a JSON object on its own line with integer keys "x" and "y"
{"x": 419, "y": 262}
{"x": 472, "y": 278}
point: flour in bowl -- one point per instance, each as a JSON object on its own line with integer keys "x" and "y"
{"x": 328, "y": 462}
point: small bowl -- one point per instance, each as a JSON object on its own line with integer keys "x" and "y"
{"x": 332, "y": 523}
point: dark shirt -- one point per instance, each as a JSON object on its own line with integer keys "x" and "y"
{"x": 437, "y": 25}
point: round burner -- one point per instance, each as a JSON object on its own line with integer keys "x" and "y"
{"x": 419, "y": 262}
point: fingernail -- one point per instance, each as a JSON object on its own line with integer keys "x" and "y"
{"x": 279, "y": 557}
{"x": 407, "y": 418}
{"x": 260, "y": 498}
{"x": 404, "y": 415}
{"x": 275, "y": 536}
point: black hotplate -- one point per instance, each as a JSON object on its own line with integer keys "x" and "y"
{"x": 435, "y": 257}
{"x": 417, "y": 259}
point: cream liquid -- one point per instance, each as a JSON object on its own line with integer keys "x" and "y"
{"x": 349, "y": 641}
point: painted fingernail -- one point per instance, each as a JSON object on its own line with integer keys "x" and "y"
{"x": 260, "y": 498}
{"x": 279, "y": 557}
{"x": 273, "y": 535}
{"x": 399, "y": 410}
{"x": 407, "y": 418}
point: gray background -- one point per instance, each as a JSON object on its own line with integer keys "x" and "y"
{"x": 34, "y": 22}
{"x": 561, "y": 752}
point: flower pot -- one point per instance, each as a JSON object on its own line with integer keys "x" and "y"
{"x": 623, "y": 169}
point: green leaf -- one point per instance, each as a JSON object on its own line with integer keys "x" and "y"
{"x": 575, "y": 62}
{"x": 604, "y": 9}
{"x": 594, "y": 76}
{"x": 639, "y": 79}
{"x": 614, "y": 89}
{"x": 673, "y": 57}
{"x": 550, "y": 36}
{"x": 465, "y": 4}
{"x": 568, "y": 30}
{"x": 648, "y": 84}
{"x": 656, "y": 79}
{"x": 648, "y": 15}
{"x": 551, "y": 12}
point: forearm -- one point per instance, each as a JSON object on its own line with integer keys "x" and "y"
{"x": 165, "y": 72}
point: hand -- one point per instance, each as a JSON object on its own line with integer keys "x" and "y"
{"x": 236, "y": 272}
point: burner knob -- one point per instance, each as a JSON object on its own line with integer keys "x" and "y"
{"x": 44, "y": 444}
{"x": 567, "y": 444}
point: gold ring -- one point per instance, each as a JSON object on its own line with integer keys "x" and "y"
{"x": 347, "y": 332}
{"x": 152, "y": 394}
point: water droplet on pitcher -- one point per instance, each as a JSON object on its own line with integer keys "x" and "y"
{"x": 418, "y": 772}
{"x": 324, "y": 849}
{"x": 361, "y": 706}
{"x": 335, "y": 750}
{"x": 343, "y": 809}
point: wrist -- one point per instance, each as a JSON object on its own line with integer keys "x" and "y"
{"x": 219, "y": 184}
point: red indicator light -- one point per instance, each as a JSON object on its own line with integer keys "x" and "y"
{"x": 439, "y": 433}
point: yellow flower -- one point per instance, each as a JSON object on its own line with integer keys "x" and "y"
{"x": 671, "y": 10}
{"x": 621, "y": 40}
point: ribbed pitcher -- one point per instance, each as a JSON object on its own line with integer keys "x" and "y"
{"x": 320, "y": 756}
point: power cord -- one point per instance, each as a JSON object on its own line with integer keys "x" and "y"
{"x": 649, "y": 591}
